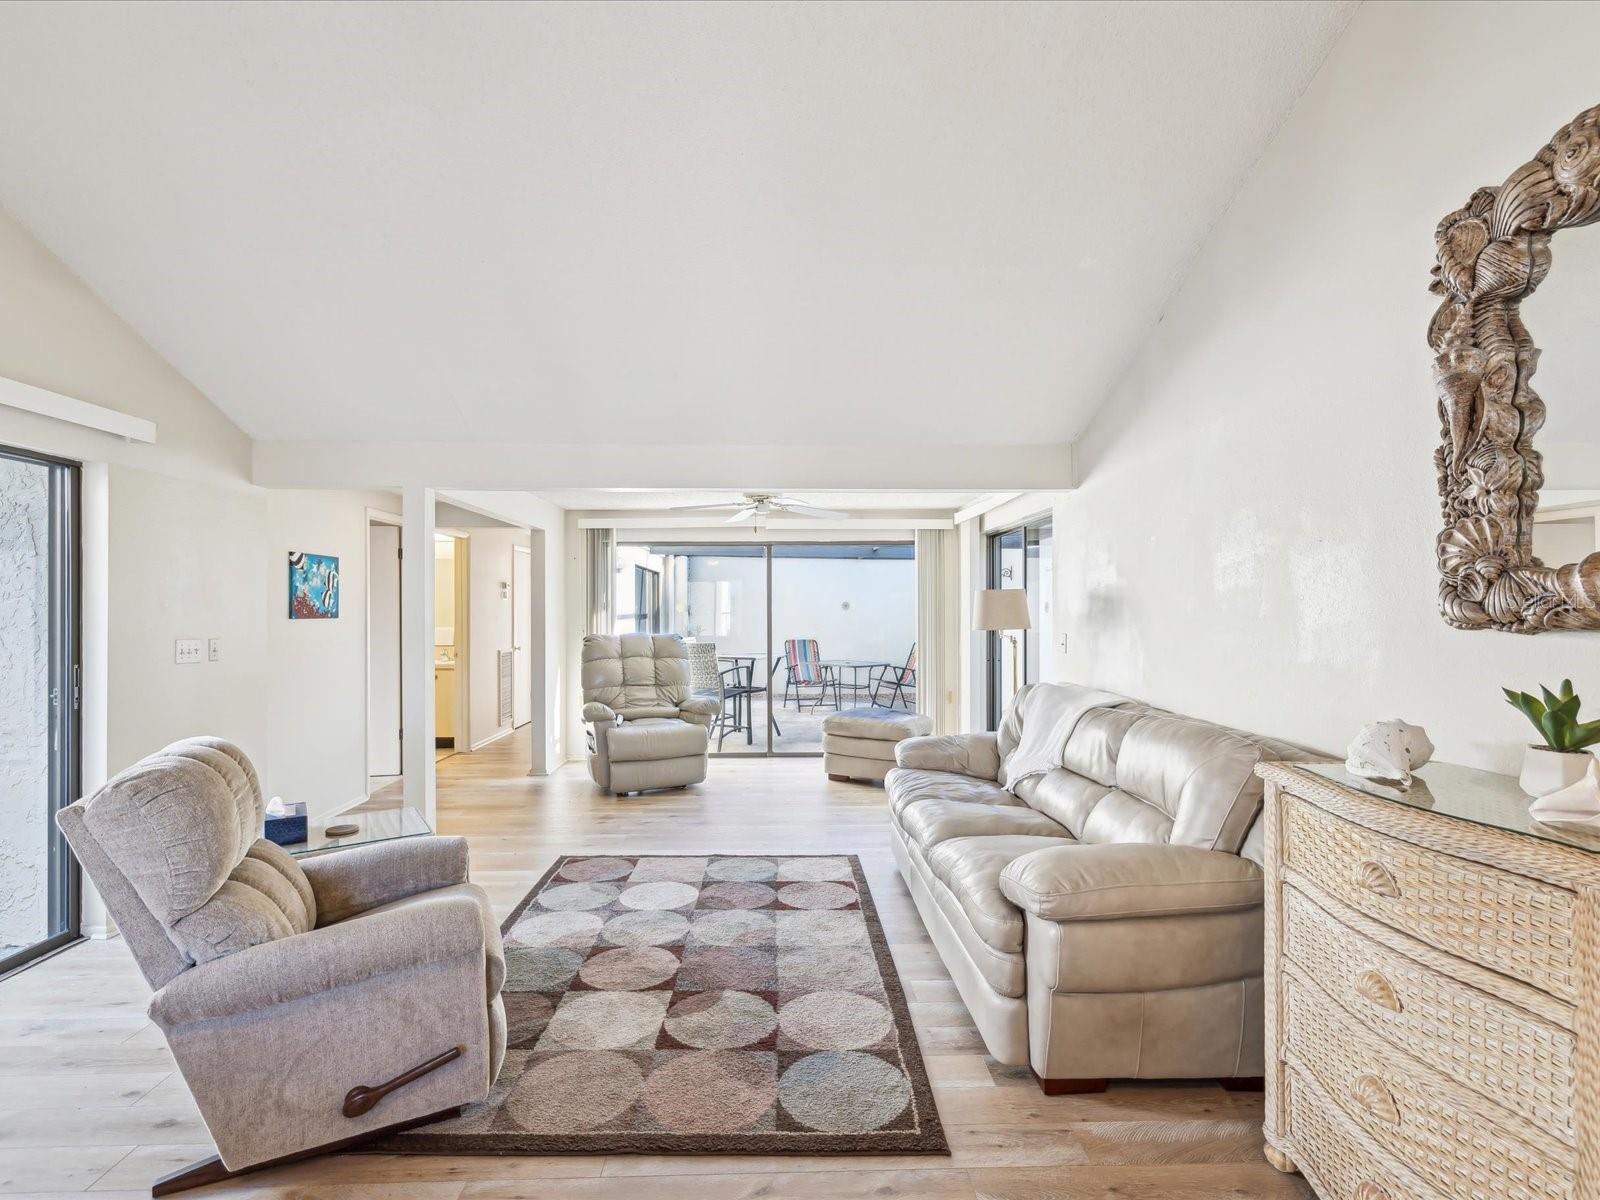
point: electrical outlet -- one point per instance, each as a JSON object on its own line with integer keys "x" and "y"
{"x": 186, "y": 650}
{"x": 214, "y": 650}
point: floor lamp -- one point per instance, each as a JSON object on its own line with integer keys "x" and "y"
{"x": 1002, "y": 610}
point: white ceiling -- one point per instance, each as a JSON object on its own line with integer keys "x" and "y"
{"x": 884, "y": 224}
{"x": 648, "y": 500}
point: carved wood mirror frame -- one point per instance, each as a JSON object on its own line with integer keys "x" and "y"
{"x": 1491, "y": 254}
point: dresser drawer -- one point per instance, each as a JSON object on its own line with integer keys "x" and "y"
{"x": 1517, "y": 926}
{"x": 1489, "y": 1046}
{"x": 1457, "y": 1141}
{"x": 1334, "y": 1155}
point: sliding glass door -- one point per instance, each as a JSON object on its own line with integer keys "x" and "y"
{"x": 38, "y": 704}
{"x": 1020, "y": 558}
{"x": 844, "y": 626}
{"x": 784, "y": 633}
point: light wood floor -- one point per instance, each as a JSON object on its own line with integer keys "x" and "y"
{"x": 90, "y": 1103}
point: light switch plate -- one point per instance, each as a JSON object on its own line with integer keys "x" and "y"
{"x": 214, "y": 650}
{"x": 187, "y": 650}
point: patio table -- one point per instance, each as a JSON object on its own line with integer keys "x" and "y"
{"x": 855, "y": 666}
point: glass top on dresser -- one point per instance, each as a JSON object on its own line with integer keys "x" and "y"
{"x": 1466, "y": 794}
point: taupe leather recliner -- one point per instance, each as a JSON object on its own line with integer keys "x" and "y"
{"x": 646, "y": 729}
{"x": 1102, "y": 921}
{"x": 309, "y": 1003}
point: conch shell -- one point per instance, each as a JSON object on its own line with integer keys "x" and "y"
{"x": 1578, "y": 804}
{"x": 1388, "y": 751}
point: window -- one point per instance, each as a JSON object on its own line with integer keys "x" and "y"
{"x": 646, "y": 600}
{"x": 848, "y": 609}
{"x": 38, "y": 704}
{"x": 1020, "y": 558}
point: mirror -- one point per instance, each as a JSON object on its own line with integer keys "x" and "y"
{"x": 1516, "y": 274}
{"x": 1563, "y": 317}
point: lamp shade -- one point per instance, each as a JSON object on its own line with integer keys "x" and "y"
{"x": 1000, "y": 608}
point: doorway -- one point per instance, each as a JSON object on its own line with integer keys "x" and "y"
{"x": 521, "y": 636}
{"x": 385, "y": 719}
{"x": 452, "y": 608}
{"x": 39, "y": 704}
{"x": 783, "y": 633}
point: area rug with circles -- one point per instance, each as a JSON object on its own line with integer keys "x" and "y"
{"x": 716, "y": 1004}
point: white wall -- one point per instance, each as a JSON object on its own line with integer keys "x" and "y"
{"x": 490, "y": 625}
{"x": 1252, "y": 538}
{"x": 316, "y": 670}
{"x": 189, "y": 548}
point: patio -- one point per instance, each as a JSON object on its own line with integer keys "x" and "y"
{"x": 798, "y": 732}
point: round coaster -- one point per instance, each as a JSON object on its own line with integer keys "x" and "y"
{"x": 344, "y": 830}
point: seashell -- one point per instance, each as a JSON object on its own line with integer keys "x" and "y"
{"x": 1577, "y": 804}
{"x": 1374, "y": 987}
{"x": 1372, "y": 1094}
{"x": 1388, "y": 751}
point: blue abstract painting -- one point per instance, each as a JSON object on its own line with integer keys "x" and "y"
{"x": 313, "y": 586}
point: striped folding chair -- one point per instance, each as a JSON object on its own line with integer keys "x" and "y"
{"x": 805, "y": 668}
{"x": 899, "y": 682}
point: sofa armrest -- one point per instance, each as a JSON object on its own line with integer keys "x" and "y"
{"x": 351, "y": 881}
{"x": 975, "y": 754}
{"x": 599, "y": 714}
{"x": 1081, "y": 882}
{"x": 442, "y": 929}
{"x": 699, "y": 710}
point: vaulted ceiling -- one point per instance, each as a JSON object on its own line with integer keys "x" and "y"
{"x": 750, "y": 224}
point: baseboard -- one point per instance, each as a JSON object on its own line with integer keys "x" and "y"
{"x": 491, "y": 739}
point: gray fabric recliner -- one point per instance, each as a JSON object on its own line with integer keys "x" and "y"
{"x": 281, "y": 985}
{"x": 646, "y": 728}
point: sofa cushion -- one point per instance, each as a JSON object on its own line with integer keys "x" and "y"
{"x": 907, "y": 786}
{"x": 935, "y": 821}
{"x": 1199, "y": 776}
{"x": 635, "y": 673}
{"x": 970, "y": 867}
{"x": 857, "y": 747}
{"x": 879, "y": 724}
{"x": 177, "y": 823}
{"x": 267, "y": 896}
{"x": 655, "y": 738}
{"x": 1096, "y": 741}
{"x": 1063, "y": 796}
{"x": 1083, "y": 882}
{"x": 1005, "y": 971}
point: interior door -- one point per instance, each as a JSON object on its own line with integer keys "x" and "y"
{"x": 521, "y": 635}
{"x": 383, "y": 650}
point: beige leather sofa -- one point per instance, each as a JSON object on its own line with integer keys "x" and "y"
{"x": 646, "y": 728}
{"x": 1104, "y": 922}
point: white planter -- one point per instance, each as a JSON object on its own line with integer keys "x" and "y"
{"x": 1545, "y": 770}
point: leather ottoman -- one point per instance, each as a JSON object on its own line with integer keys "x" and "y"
{"x": 859, "y": 742}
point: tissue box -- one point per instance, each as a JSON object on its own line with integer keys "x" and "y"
{"x": 288, "y": 828}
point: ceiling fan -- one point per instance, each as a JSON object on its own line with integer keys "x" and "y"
{"x": 761, "y": 505}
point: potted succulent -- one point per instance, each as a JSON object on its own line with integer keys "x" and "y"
{"x": 1564, "y": 758}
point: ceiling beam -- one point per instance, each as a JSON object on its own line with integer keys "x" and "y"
{"x": 702, "y": 467}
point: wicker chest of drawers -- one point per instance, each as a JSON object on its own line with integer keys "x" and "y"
{"x": 1432, "y": 964}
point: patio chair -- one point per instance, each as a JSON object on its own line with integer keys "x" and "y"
{"x": 899, "y": 682}
{"x": 732, "y": 684}
{"x": 802, "y": 660}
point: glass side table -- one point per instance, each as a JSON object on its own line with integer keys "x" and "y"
{"x": 372, "y": 825}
